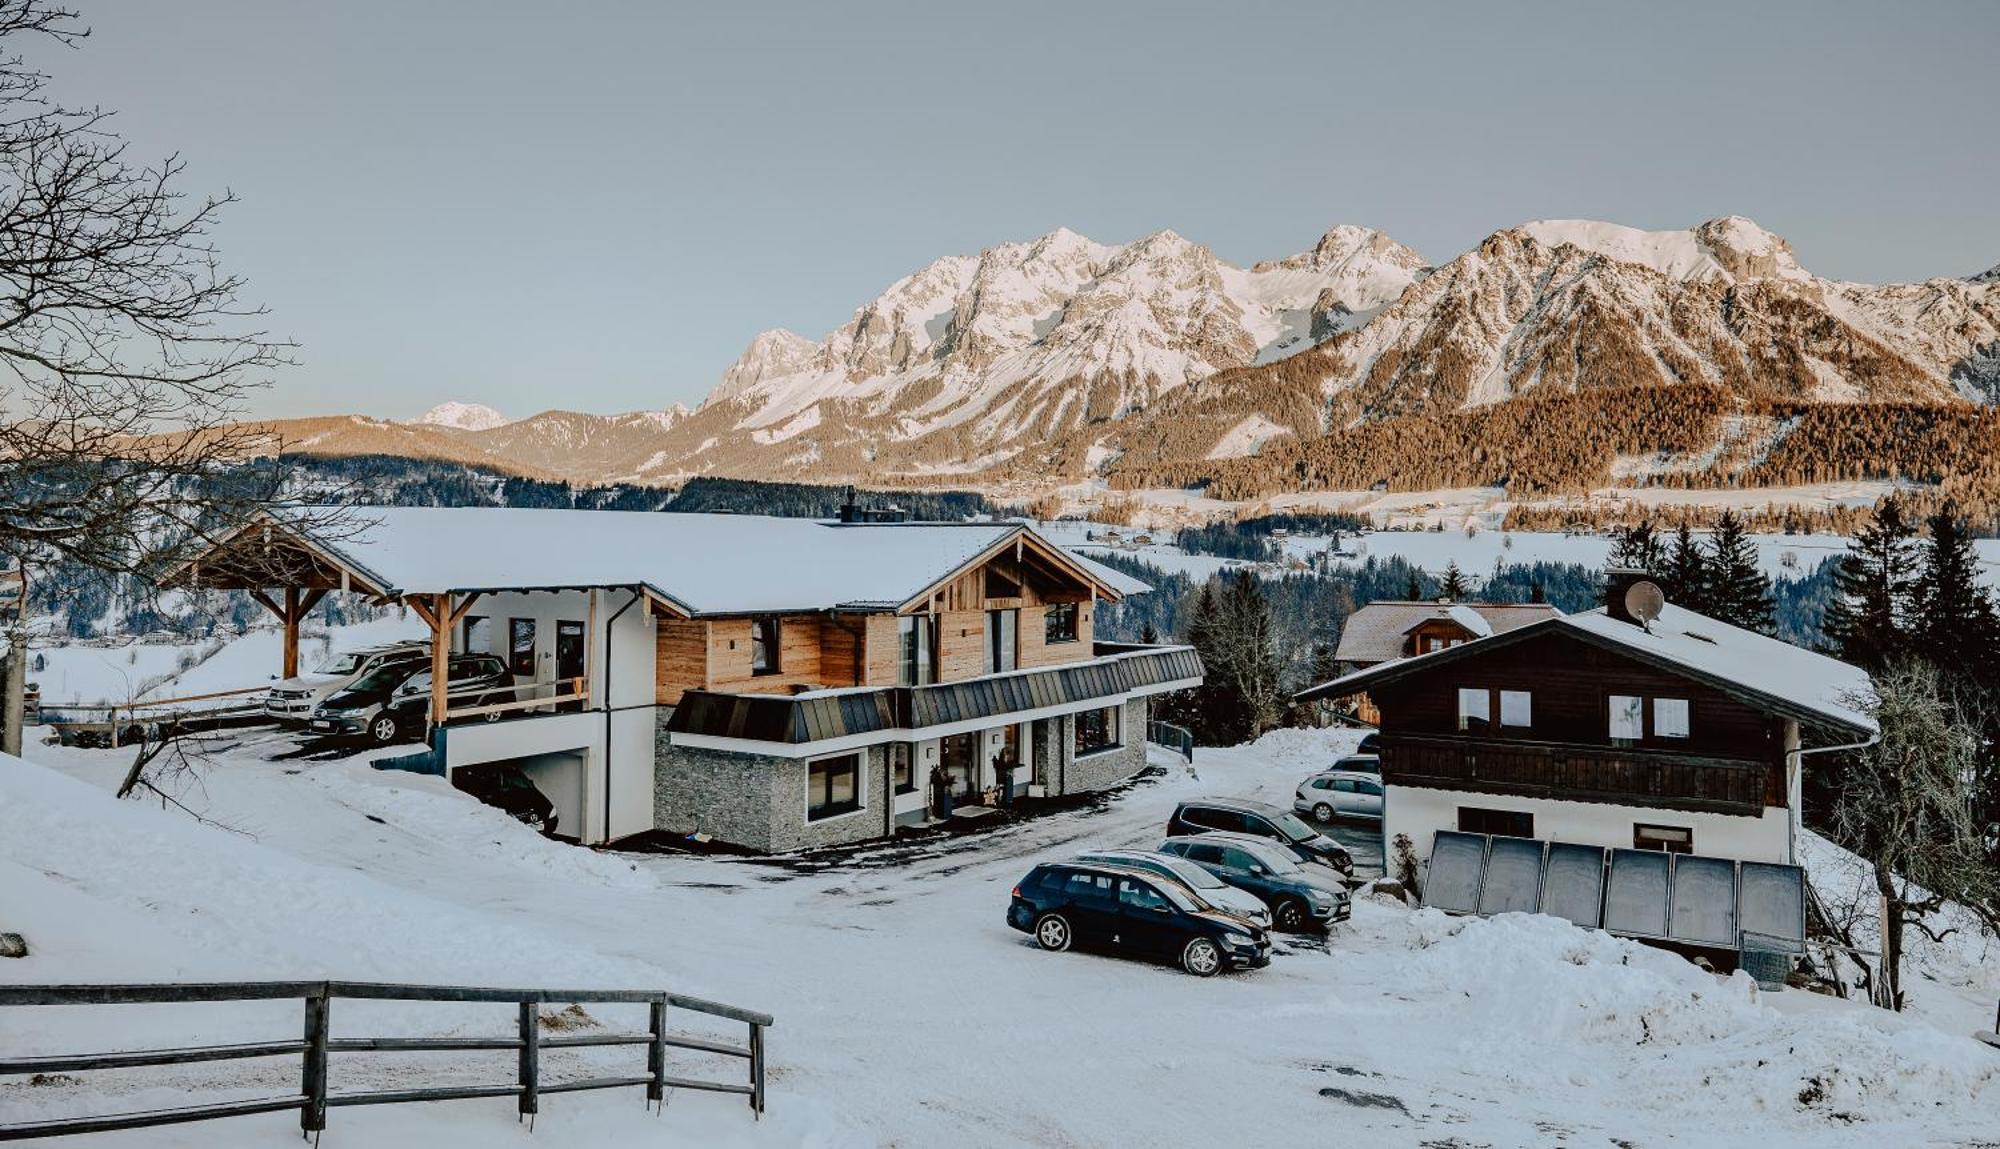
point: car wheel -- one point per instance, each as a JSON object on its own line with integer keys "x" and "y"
{"x": 493, "y": 700}
{"x": 1052, "y": 933}
{"x": 384, "y": 729}
{"x": 1323, "y": 812}
{"x": 1202, "y": 958}
{"x": 1289, "y": 914}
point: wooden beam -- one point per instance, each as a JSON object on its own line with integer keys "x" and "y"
{"x": 266, "y": 601}
{"x": 422, "y": 607}
{"x": 440, "y": 621}
{"x": 291, "y": 617}
{"x": 458, "y": 615}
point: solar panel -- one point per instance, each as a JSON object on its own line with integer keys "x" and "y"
{"x": 1513, "y": 881}
{"x": 1635, "y": 896}
{"x": 1456, "y": 862}
{"x": 1704, "y": 901}
{"x": 1772, "y": 903}
{"x": 1573, "y": 883}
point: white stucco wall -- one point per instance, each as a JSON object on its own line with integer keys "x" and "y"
{"x": 1420, "y": 813}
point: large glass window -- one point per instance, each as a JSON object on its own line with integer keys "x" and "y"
{"x": 1059, "y": 623}
{"x": 1628, "y": 718}
{"x": 914, "y": 666}
{"x": 1517, "y": 708}
{"x": 1096, "y": 730}
{"x": 763, "y": 646}
{"x": 1670, "y": 718}
{"x": 1002, "y": 649}
{"x": 1475, "y": 708}
{"x": 833, "y": 786}
{"x": 521, "y": 647}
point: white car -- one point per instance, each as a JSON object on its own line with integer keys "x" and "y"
{"x": 1205, "y": 885}
{"x": 1339, "y": 794}
{"x": 293, "y": 699}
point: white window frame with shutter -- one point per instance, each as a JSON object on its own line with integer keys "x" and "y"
{"x": 1671, "y": 718}
{"x": 1474, "y": 702}
{"x": 1627, "y": 717}
{"x": 1517, "y": 708}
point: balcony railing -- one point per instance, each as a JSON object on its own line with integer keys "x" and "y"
{"x": 526, "y": 696}
{"x": 1584, "y": 774}
{"x": 824, "y": 714}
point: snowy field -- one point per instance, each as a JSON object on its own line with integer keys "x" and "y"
{"x": 907, "y": 1012}
{"x": 1476, "y": 554}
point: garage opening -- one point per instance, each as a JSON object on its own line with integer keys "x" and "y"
{"x": 544, "y": 791}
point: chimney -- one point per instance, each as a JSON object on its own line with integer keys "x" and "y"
{"x": 850, "y": 508}
{"x": 1618, "y": 598}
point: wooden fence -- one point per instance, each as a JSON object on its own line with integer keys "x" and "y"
{"x": 315, "y": 1045}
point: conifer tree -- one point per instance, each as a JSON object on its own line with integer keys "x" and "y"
{"x": 1636, "y": 548}
{"x": 1953, "y": 618}
{"x": 1413, "y": 590}
{"x": 1867, "y": 622}
{"x": 1455, "y": 587}
{"x": 1684, "y": 575}
{"x": 1739, "y": 592}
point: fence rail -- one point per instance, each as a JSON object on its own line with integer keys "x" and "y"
{"x": 1172, "y": 737}
{"x": 316, "y": 1044}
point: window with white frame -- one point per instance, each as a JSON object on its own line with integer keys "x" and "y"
{"x": 1670, "y": 718}
{"x": 763, "y": 646}
{"x": 1096, "y": 730}
{"x": 1628, "y": 717}
{"x": 833, "y": 787}
{"x": 1475, "y": 708}
{"x": 1517, "y": 708}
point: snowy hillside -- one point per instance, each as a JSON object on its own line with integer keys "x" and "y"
{"x": 907, "y": 1013}
{"x": 463, "y": 416}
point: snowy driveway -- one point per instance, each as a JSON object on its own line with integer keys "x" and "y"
{"x": 909, "y": 1014}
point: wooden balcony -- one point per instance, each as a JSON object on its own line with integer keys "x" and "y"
{"x": 1581, "y": 773}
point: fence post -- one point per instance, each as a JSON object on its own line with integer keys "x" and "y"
{"x": 656, "y": 1054}
{"x": 531, "y": 1060}
{"x": 757, "y": 1070}
{"x": 312, "y": 1117}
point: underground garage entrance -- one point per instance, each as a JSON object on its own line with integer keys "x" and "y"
{"x": 544, "y": 791}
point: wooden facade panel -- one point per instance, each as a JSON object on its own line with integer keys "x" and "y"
{"x": 798, "y": 655}
{"x": 1570, "y": 683}
{"x": 882, "y": 651}
{"x": 681, "y": 658}
{"x": 843, "y": 650}
{"x": 1577, "y": 773}
{"x": 961, "y": 645}
{"x": 1037, "y": 651}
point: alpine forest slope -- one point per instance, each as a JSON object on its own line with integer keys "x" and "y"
{"x": 1557, "y": 357}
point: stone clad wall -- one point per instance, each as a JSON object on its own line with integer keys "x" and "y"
{"x": 758, "y": 801}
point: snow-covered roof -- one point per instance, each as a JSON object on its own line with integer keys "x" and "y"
{"x": 701, "y": 563}
{"x": 1377, "y": 632}
{"x": 1753, "y": 661}
{"x": 1761, "y": 669}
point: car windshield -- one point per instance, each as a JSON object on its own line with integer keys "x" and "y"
{"x": 383, "y": 678}
{"x": 1276, "y": 861}
{"x": 340, "y": 664}
{"x": 1291, "y": 827}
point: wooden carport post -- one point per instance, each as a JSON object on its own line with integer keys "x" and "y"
{"x": 438, "y": 614}
{"x": 291, "y": 614}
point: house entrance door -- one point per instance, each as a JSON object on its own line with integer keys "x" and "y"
{"x": 569, "y": 660}
{"x": 961, "y": 772}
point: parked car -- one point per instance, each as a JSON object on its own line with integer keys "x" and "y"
{"x": 1259, "y": 819}
{"x": 507, "y": 787}
{"x": 1339, "y": 794}
{"x": 1120, "y": 910}
{"x": 362, "y": 707}
{"x": 1300, "y": 897}
{"x": 1205, "y": 885}
{"x": 293, "y": 699}
{"x": 1359, "y": 764}
{"x": 1371, "y": 743}
{"x": 473, "y": 680}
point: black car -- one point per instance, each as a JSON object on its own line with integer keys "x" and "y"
{"x": 507, "y": 787}
{"x": 1371, "y": 743}
{"x": 474, "y": 680}
{"x": 363, "y": 706}
{"x": 1300, "y": 897}
{"x": 1242, "y": 816}
{"x": 1120, "y": 910}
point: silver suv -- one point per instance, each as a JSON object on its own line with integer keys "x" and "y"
{"x": 1339, "y": 794}
{"x": 293, "y": 699}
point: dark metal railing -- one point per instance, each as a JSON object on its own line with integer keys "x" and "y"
{"x": 1176, "y": 738}
{"x": 316, "y": 1044}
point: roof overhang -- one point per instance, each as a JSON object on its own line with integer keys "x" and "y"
{"x": 1024, "y": 543}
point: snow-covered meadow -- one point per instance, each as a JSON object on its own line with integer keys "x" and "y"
{"x": 907, "y": 1012}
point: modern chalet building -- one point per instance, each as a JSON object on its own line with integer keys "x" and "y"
{"x": 771, "y": 683}
{"x": 1679, "y": 735}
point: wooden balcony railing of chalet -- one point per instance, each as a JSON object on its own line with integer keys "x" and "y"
{"x": 1589, "y": 774}
{"x": 1117, "y": 669}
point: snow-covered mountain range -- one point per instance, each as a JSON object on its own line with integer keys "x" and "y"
{"x": 1050, "y": 358}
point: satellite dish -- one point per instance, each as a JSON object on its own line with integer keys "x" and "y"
{"x": 1643, "y": 601}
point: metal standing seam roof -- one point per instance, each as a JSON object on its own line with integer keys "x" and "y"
{"x": 706, "y": 563}
{"x": 1375, "y": 633}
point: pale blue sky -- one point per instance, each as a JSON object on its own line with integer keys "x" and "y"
{"x": 596, "y": 205}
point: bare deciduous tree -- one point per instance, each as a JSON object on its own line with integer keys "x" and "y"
{"x": 126, "y": 353}
{"x": 1906, "y": 808}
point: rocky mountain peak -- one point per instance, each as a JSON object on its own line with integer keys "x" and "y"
{"x": 771, "y": 354}
{"x": 463, "y": 416}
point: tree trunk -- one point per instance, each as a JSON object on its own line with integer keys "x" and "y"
{"x": 14, "y": 694}
{"x": 1891, "y": 989}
